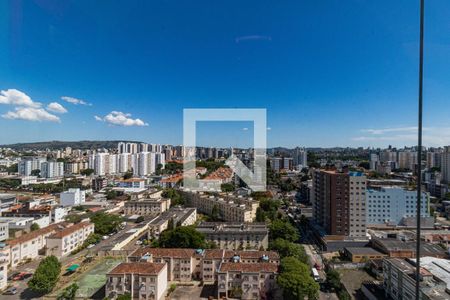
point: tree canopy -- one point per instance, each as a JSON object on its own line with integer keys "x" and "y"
{"x": 295, "y": 280}
{"x": 182, "y": 237}
{"x": 46, "y": 275}
{"x": 289, "y": 249}
{"x": 282, "y": 228}
{"x": 106, "y": 223}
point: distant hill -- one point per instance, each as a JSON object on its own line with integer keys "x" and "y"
{"x": 53, "y": 145}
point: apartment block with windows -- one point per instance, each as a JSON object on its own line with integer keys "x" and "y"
{"x": 391, "y": 204}
{"x": 229, "y": 208}
{"x": 63, "y": 242}
{"x": 246, "y": 281}
{"x": 142, "y": 280}
{"x": 147, "y": 207}
{"x": 236, "y": 236}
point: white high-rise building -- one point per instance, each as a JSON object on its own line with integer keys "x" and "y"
{"x": 28, "y": 164}
{"x": 51, "y": 169}
{"x": 407, "y": 160}
{"x": 112, "y": 164}
{"x": 300, "y": 158}
{"x": 445, "y": 164}
{"x": 143, "y": 162}
{"x": 374, "y": 161}
{"x": 100, "y": 164}
{"x": 124, "y": 162}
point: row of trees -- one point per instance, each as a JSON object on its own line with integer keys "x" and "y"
{"x": 294, "y": 279}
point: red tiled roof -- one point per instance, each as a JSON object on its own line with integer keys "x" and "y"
{"x": 221, "y": 173}
{"x": 248, "y": 268}
{"x": 70, "y": 230}
{"x": 164, "y": 252}
{"x": 252, "y": 254}
{"x": 174, "y": 178}
{"x": 141, "y": 268}
{"x": 34, "y": 234}
{"x": 214, "y": 253}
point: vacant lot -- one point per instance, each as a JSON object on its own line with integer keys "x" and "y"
{"x": 352, "y": 280}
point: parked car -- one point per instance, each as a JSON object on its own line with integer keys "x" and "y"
{"x": 13, "y": 275}
{"x": 10, "y": 291}
{"x": 90, "y": 246}
{"x": 22, "y": 276}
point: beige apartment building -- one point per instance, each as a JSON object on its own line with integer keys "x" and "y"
{"x": 178, "y": 215}
{"x": 213, "y": 258}
{"x": 196, "y": 264}
{"x": 247, "y": 280}
{"x": 147, "y": 207}
{"x": 182, "y": 264}
{"x": 230, "y": 208}
{"x": 142, "y": 280}
{"x": 357, "y": 203}
{"x": 236, "y": 236}
{"x": 63, "y": 242}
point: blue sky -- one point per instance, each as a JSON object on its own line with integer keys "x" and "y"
{"x": 329, "y": 73}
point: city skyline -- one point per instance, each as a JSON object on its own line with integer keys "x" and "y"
{"x": 128, "y": 72}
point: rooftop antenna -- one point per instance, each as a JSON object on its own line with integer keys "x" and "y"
{"x": 419, "y": 168}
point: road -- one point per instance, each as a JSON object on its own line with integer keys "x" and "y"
{"x": 23, "y": 292}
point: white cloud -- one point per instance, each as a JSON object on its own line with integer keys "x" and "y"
{"x": 56, "y": 107}
{"x": 269, "y": 128}
{"x": 405, "y": 136}
{"x": 387, "y": 130}
{"x": 121, "y": 119}
{"x": 245, "y": 129}
{"x": 18, "y": 98}
{"x": 75, "y": 101}
{"x": 31, "y": 114}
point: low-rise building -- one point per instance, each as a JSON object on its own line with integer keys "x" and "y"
{"x": 72, "y": 197}
{"x": 362, "y": 254}
{"x": 182, "y": 264}
{"x": 236, "y": 236}
{"x": 4, "y": 231}
{"x": 197, "y": 264}
{"x": 177, "y": 215}
{"x": 69, "y": 239}
{"x": 399, "y": 278}
{"x": 28, "y": 245}
{"x": 246, "y": 281}
{"x": 401, "y": 249}
{"x": 142, "y": 280}
{"x": 146, "y": 207}
{"x": 229, "y": 208}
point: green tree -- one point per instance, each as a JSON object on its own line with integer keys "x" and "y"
{"x": 128, "y": 175}
{"x": 46, "y": 275}
{"x": 227, "y": 187}
{"x": 295, "y": 280}
{"x": 182, "y": 237}
{"x": 13, "y": 168}
{"x": 215, "y": 215}
{"x": 106, "y": 223}
{"x": 111, "y": 194}
{"x": 93, "y": 238}
{"x": 87, "y": 172}
{"x": 36, "y": 172}
{"x": 126, "y": 296}
{"x": 289, "y": 249}
{"x": 260, "y": 215}
{"x": 34, "y": 226}
{"x": 334, "y": 279}
{"x": 174, "y": 195}
{"x": 281, "y": 228}
{"x": 69, "y": 292}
